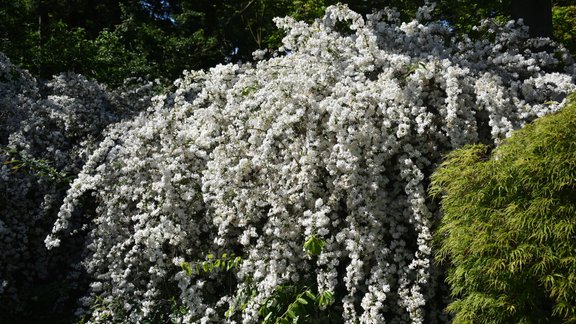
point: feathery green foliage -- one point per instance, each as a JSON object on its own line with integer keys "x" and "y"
{"x": 564, "y": 20}
{"x": 508, "y": 232}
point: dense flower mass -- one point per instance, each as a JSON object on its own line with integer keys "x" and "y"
{"x": 48, "y": 130}
{"x": 334, "y": 137}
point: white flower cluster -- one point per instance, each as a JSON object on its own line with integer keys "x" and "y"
{"x": 60, "y": 122}
{"x": 335, "y": 138}
{"x": 17, "y": 89}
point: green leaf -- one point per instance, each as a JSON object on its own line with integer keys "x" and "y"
{"x": 290, "y": 313}
{"x": 310, "y": 295}
{"x": 314, "y": 245}
{"x": 230, "y": 311}
{"x": 237, "y": 261}
{"x": 283, "y": 321}
{"x": 325, "y": 299}
{"x": 186, "y": 267}
{"x": 206, "y": 266}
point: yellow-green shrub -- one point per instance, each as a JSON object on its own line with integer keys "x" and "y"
{"x": 508, "y": 232}
{"x": 564, "y": 21}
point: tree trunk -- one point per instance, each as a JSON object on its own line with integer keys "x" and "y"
{"x": 537, "y": 15}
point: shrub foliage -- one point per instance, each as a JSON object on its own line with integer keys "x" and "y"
{"x": 508, "y": 232}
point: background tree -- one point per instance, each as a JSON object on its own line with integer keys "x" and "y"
{"x": 156, "y": 42}
{"x": 113, "y": 40}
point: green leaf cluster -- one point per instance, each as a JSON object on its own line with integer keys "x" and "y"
{"x": 225, "y": 262}
{"x": 297, "y": 304}
{"x": 290, "y": 303}
{"x": 42, "y": 168}
{"x": 508, "y": 232}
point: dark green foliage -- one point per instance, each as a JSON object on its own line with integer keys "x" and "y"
{"x": 113, "y": 40}
{"x": 508, "y": 233}
{"x": 62, "y": 46}
{"x": 296, "y": 304}
{"x": 564, "y": 22}
{"x": 252, "y": 25}
{"x": 464, "y": 14}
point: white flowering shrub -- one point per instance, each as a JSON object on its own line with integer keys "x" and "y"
{"x": 47, "y": 132}
{"x": 17, "y": 87}
{"x": 334, "y": 139}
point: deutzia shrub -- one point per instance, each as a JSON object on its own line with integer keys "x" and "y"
{"x": 48, "y": 130}
{"x": 334, "y": 138}
{"x": 17, "y": 88}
